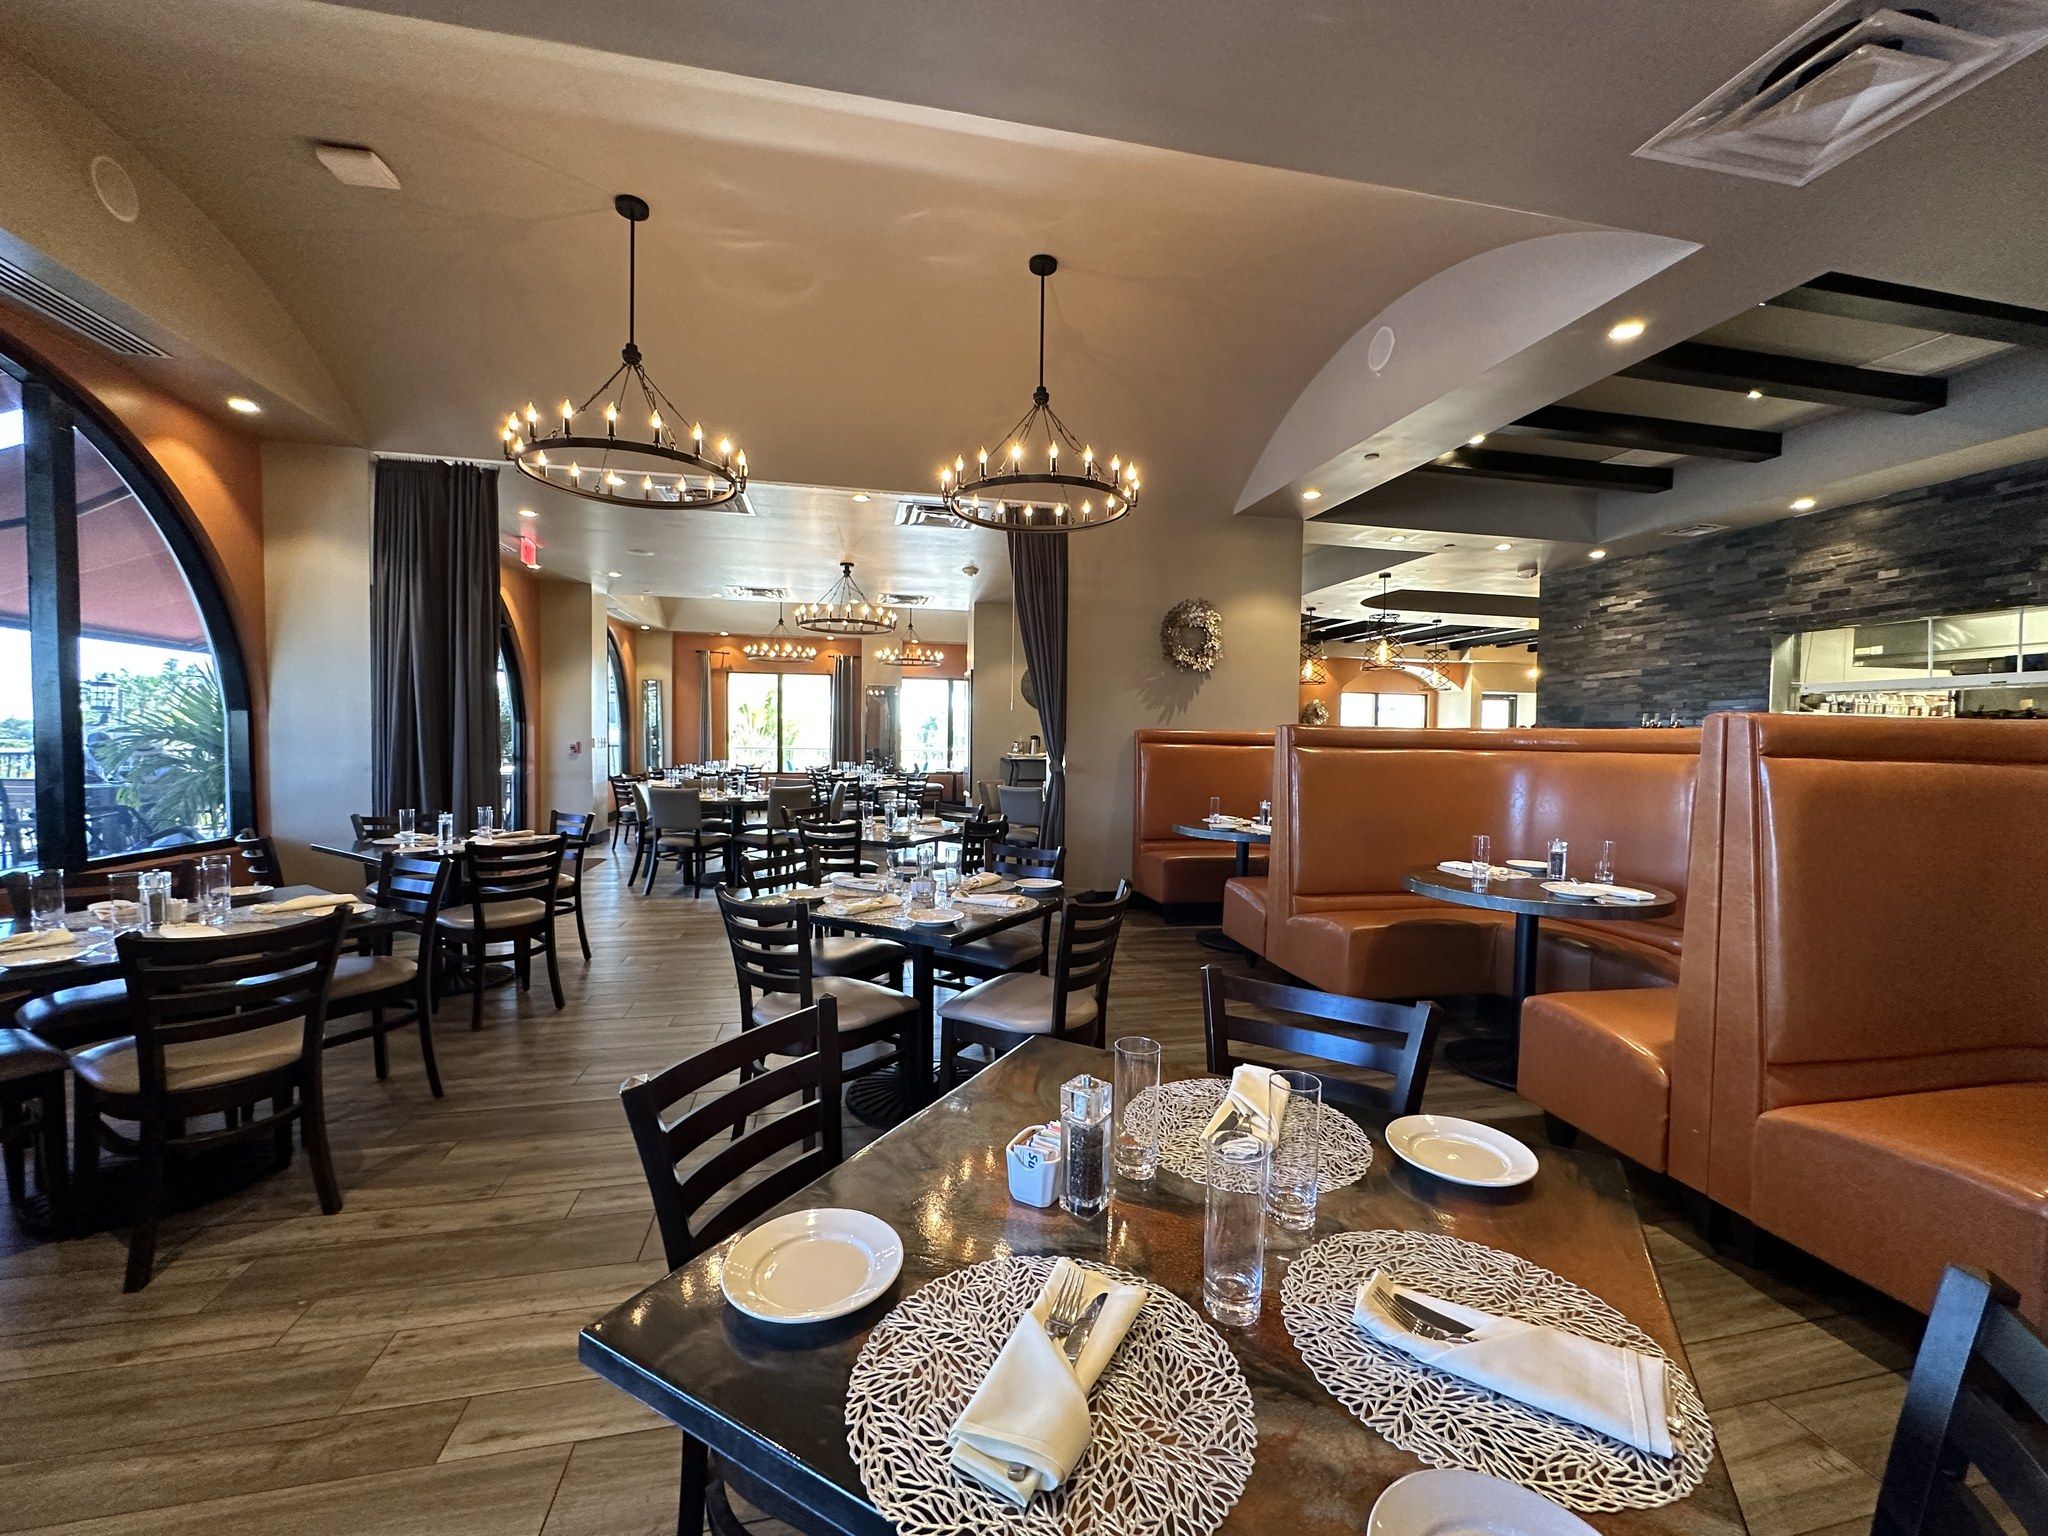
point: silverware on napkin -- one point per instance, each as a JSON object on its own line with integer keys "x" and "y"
{"x": 1077, "y": 1336}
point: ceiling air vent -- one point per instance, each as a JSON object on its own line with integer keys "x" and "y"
{"x": 1855, "y": 73}
{"x": 1693, "y": 530}
{"x": 926, "y": 514}
{"x": 26, "y": 289}
{"x": 903, "y": 599}
{"x": 759, "y": 594}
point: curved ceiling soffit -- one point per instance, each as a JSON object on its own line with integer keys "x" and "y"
{"x": 1447, "y": 331}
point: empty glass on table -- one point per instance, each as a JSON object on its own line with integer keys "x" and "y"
{"x": 215, "y": 884}
{"x": 484, "y": 816}
{"x": 1603, "y": 871}
{"x": 1297, "y": 1153}
{"x": 1482, "y": 857}
{"x": 1236, "y": 1166}
{"x": 1137, "y": 1135}
{"x": 408, "y": 821}
{"x": 46, "y": 900}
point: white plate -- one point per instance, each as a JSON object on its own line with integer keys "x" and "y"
{"x": 1533, "y": 866}
{"x": 1446, "y": 1501}
{"x": 250, "y": 890}
{"x": 26, "y": 959}
{"x": 1038, "y": 883}
{"x": 1463, "y": 1151}
{"x": 936, "y": 917}
{"x": 1575, "y": 890}
{"x": 811, "y": 1265}
{"x": 1633, "y": 894}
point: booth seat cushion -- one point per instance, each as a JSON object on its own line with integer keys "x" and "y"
{"x": 1390, "y": 951}
{"x": 1181, "y": 870}
{"x": 1601, "y": 1061}
{"x": 1893, "y": 1189}
{"x": 1586, "y": 957}
{"x": 1244, "y": 912}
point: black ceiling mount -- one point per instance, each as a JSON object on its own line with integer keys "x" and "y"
{"x": 631, "y": 207}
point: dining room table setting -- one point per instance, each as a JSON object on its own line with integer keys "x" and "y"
{"x": 1083, "y": 1294}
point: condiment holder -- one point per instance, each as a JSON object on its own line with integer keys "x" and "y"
{"x": 1034, "y": 1159}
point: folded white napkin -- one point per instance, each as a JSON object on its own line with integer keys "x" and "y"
{"x": 1031, "y": 1410}
{"x": 1471, "y": 871}
{"x": 316, "y": 902}
{"x": 1619, "y": 892}
{"x": 978, "y": 882}
{"x": 114, "y": 911}
{"x": 853, "y": 882}
{"x": 185, "y": 931}
{"x": 49, "y": 937}
{"x": 1228, "y": 821}
{"x": 858, "y": 905}
{"x": 1000, "y": 901}
{"x": 1259, "y": 1097}
{"x": 1619, "y": 1392}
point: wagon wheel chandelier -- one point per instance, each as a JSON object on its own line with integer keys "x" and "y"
{"x": 1382, "y": 651}
{"x": 779, "y": 645}
{"x": 1025, "y": 489}
{"x": 845, "y": 609}
{"x": 913, "y": 652}
{"x": 624, "y": 470}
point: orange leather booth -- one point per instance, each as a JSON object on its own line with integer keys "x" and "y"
{"x": 1177, "y": 772}
{"x": 1355, "y": 809}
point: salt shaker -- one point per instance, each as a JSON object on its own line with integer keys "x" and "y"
{"x": 1084, "y": 1145}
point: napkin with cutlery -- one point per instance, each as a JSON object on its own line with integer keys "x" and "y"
{"x": 854, "y": 906}
{"x": 853, "y": 882}
{"x": 1257, "y": 1097}
{"x": 48, "y": 938}
{"x": 317, "y": 901}
{"x": 1233, "y": 823}
{"x": 1472, "y": 871}
{"x": 978, "y": 882}
{"x": 1000, "y": 901}
{"x": 1030, "y": 1413}
{"x": 1622, "y": 1393}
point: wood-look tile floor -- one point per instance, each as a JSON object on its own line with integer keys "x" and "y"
{"x": 409, "y": 1365}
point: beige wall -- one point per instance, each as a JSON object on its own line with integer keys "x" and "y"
{"x": 1000, "y": 714}
{"x": 568, "y": 713}
{"x": 316, "y": 567}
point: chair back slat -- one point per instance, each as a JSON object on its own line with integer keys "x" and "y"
{"x": 1089, "y": 928}
{"x": 978, "y": 834}
{"x": 771, "y": 946}
{"x": 573, "y": 828}
{"x": 830, "y": 848}
{"x": 802, "y": 1050}
{"x": 414, "y": 886}
{"x": 1394, "y": 1038}
{"x": 503, "y": 872}
{"x": 1014, "y": 860}
{"x": 1978, "y": 1398}
{"x": 370, "y": 825}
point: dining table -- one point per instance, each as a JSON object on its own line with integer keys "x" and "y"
{"x": 887, "y": 1098}
{"x": 772, "y": 1399}
{"x": 1494, "y": 1057}
{"x": 1243, "y": 838}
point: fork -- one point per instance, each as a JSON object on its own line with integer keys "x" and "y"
{"x": 1060, "y": 1319}
{"x": 1423, "y": 1321}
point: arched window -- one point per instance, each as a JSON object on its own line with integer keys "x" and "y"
{"x": 124, "y": 709}
{"x": 615, "y": 711}
{"x": 511, "y": 728}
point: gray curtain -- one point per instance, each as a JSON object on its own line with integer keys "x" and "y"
{"x": 1038, "y": 569}
{"x": 704, "y": 707}
{"x": 434, "y": 637}
{"x": 846, "y": 707}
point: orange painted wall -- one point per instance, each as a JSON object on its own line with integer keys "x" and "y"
{"x": 519, "y": 590}
{"x": 1349, "y": 675}
{"x": 214, "y": 471}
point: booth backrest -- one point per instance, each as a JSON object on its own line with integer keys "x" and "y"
{"x": 1177, "y": 772}
{"x": 1884, "y": 916}
{"x": 1357, "y": 808}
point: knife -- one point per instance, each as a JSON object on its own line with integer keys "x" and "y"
{"x": 1077, "y": 1336}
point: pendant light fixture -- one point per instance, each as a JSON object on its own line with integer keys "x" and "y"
{"x": 1315, "y": 670}
{"x": 779, "y": 646}
{"x": 637, "y": 462}
{"x": 1382, "y": 651}
{"x": 1025, "y": 488}
{"x": 913, "y": 652}
{"x": 845, "y": 609}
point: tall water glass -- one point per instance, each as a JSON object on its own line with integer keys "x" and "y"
{"x": 1215, "y": 807}
{"x": 1265, "y": 813}
{"x": 216, "y": 883}
{"x": 1236, "y": 1165}
{"x": 1297, "y": 1153}
{"x": 1137, "y": 1125}
{"x": 1560, "y": 852}
{"x": 407, "y": 821}
{"x": 124, "y": 896}
{"x": 1604, "y": 870}
{"x": 46, "y": 900}
{"x": 484, "y": 814}
{"x": 444, "y": 831}
{"x": 1482, "y": 856}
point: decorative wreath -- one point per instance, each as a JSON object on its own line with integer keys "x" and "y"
{"x": 1315, "y": 712}
{"x": 1192, "y": 635}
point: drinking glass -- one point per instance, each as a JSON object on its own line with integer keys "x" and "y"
{"x": 483, "y": 822}
{"x": 1236, "y": 1165}
{"x": 1559, "y": 848}
{"x": 1137, "y": 1134}
{"x": 1215, "y": 807}
{"x": 1084, "y": 1145}
{"x": 1604, "y": 870}
{"x": 216, "y": 883}
{"x": 1265, "y": 813}
{"x": 1482, "y": 856}
{"x": 444, "y": 830}
{"x": 406, "y": 822}
{"x": 1297, "y": 1153}
{"x": 46, "y": 900}
{"x": 124, "y": 893}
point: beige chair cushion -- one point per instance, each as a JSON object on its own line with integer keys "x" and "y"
{"x": 1020, "y": 1003}
{"x": 501, "y": 914}
{"x": 363, "y": 975}
{"x": 855, "y": 954}
{"x": 860, "y": 1002}
{"x": 111, "y": 1068}
{"x": 1011, "y": 947}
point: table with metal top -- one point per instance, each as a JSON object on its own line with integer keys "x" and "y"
{"x": 1494, "y": 1058}
{"x": 772, "y": 1399}
{"x": 1244, "y": 840}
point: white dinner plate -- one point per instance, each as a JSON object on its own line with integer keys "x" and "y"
{"x": 1575, "y": 890}
{"x": 32, "y": 956}
{"x": 1038, "y": 883}
{"x": 933, "y": 917}
{"x": 1532, "y": 866}
{"x": 1628, "y": 893}
{"x": 1446, "y": 1501}
{"x": 806, "y": 893}
{"x": 811, "y": 1265}
{"x": 250, "y": 890}
{"x": 1463, "y": 1151}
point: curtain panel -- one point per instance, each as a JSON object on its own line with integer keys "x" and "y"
{"x": 705, "y": 753}
{"x": 1038, "y": 570}
{"x": 846, "y": 709}
{"x": 434, "y": 637}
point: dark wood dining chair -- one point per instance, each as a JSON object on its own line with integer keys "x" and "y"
{"x": 979, "y": 834}
{"x": 625, "y": 808}
{"x": 1027, "y": 947}
{"x": 370, "y": 825}
{"x": 1398, "y": 1039}
{"x": 831, "y": 848}
{"x": 221, "y": 1024}
{"x": 1070, "y": 1004}
{"x": 1978, "y": 1398}
{"x": 672, "y": 1119}
{"x": 510, "y": 906}
{"x": 32, "y": 1077}
{"x": 573, "y": 828}
{"x": 385, "y": 990}
{"x": 256, "y": 861}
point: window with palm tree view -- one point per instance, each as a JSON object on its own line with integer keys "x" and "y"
{"x": 778, "y": 722}
{"x": 160, "y": 749}
{"x": 932, "y": 724}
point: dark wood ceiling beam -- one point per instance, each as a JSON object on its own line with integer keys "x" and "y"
{"x": 1542, "y": 469}
{"x": 1706, "y": 366}
{"x": 1920, "y": 309}
{"x": 1645, "y": 434}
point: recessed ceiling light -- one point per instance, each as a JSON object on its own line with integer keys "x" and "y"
{"x": 614, "y": 575}
{"x": 1311, "y": 495}
{"x": 1596, "y": 554}
{"x": 1804, "y": 504}
{"x": 647, "y": 626}
{"x": 528, "y": 512}
{"x": 1503, "y": 547}
{"x": 1756, "y": 394}
{"x": 723, "y": 633}
{"x": 1396, "y": 538}
{"x": 1475, "y": 440}
{"x": 860, "y": 496}
{"x": 244, "y": 404}
{"x": 1626, "y": 330}
{"x": 1368, "y": 457}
